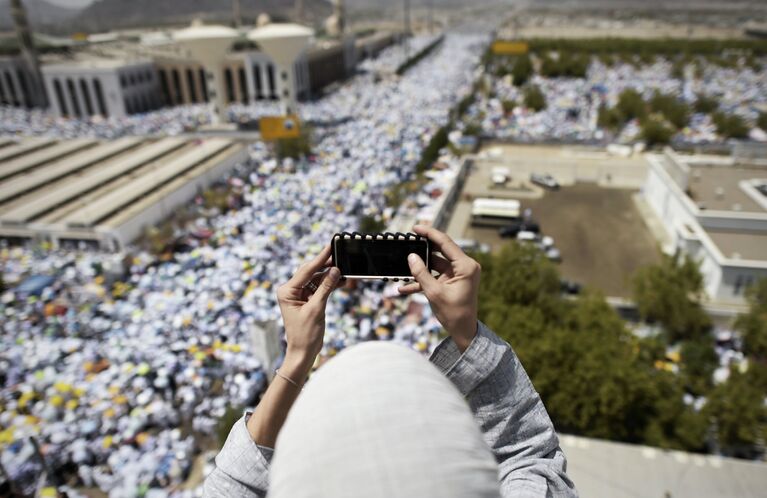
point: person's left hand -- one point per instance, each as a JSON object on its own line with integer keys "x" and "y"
{"x": 303, "y": 309}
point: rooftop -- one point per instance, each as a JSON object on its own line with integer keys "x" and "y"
{"x": 740, "y": 244}
{"x": 718, "y": 187}
{"x": 618, "y": 470}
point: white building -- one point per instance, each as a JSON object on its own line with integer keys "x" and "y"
{"x": 712, "y": 208}
{"x": 102, "y": 87}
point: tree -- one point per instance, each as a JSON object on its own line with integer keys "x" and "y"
{"x": 631, "y": 105}
{"x": 508, "y": 105}
{"x": 698, "y": 363}
{"x": 730, "y": 125}
{"x": 675, "y": 111}
{"x": 753, "y": 325}
{"x": 610, "y": 118}
{"x": 705, "y": 104}
{"x": 522, "y": 70}
{"x": 587, "y": 366}
{"x": 534, "y": 98}
{"x": 761, "y": 121}
{"x": 738, "y": 411}
{"x": 655, "y": 131}
{"x": 670, "y": 293}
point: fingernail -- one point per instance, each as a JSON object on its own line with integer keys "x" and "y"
{"x": 412, "y": 258}
{"x": 334, "y": 273}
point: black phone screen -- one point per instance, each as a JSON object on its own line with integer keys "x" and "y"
{"x": 376, "y": 257}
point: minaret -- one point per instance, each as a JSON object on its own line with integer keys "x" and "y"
{"x": 299, "y": 11}
{"x": 29, "y": 54}
{"x": 237, "y": 13}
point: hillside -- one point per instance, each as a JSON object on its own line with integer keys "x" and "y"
{"x": 104, "y": 14}
{"x": 39, "y": 12}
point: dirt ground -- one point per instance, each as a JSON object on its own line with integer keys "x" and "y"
{"x": 599, "y": 232}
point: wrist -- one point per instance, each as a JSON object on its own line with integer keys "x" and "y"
{"x": 464, "y": 332}
{"x": 297, "y": 364}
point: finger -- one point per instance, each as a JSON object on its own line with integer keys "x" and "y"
{"x": 422, "y": 274}
{"x": 440, "y": 264}
{"x": 444, "y": 243}
{"x": 327, "y": 286}
{"x": 409, "y": 289}
{"x": 305, "y": 272}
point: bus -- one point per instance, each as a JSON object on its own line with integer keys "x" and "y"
{"x": 494, "y": 212}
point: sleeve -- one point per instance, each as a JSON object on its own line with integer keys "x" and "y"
{"x": 510, "y": 413}
{"x": 242, "y": 466}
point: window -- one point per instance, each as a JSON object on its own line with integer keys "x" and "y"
{"x": 73, "y": 95}
{"x": 270, "y": 80}
{"x": 257, "y": 81}
{"x": 11, "y": 88}
{"x": 86, "y": 97}
{"x": 100, "y": 98}
{"x": 165, "y": 86}
{"x": 60, "y": 97}
{"x": 177, "y": 87}
{"x": 244, "y": 95}
{"x": 192, "y": 86}
{"x": 229, "y": 85}
{"x": 204, "y": 85}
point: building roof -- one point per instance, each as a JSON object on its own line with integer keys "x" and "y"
{"x": 718, "y": 187}
{"x": 740, "y": 244}
{"x": 280, "y": 30}
{"x": 618, "y": 470}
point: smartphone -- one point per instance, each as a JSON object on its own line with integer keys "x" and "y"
{"x": 378, "y": 256}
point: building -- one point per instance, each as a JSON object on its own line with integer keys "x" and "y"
{"x": 106, "y": 87}
{"x": 118, "y": 75}
{"x": 713, "y": 208}
{"x": 15, "y": 84}
{"x": 103, "y": 192}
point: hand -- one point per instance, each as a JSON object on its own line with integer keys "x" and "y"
{"x": 303, "y": 311}
{"x": 452, "y": 295}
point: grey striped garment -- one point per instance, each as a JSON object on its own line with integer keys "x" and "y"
{"x": 379, "y": 421}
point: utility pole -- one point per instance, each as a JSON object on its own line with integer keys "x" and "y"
{"x": 237, "y": 13}
{"x": 406, "y": 34}
{"x": 299, "y": 11}
{"x": 35, "y": 89}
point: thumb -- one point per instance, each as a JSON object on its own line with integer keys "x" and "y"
{"x": 422, "y": 274}
{"x": 326, "y": 287}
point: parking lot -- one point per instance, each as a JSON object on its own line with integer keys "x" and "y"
{"x": 599, "y": 231}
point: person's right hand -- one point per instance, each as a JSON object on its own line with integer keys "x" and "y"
{"x": 452, "y": 295}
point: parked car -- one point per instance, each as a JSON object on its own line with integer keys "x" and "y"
{"x": 569, "y": 287}
{"x": 545, "y": 181}
{"x": 469, "y": 245}
{"x": 526, "y": 236}
{"x": 553, "y": 254}
{"x": 513, "y": 228}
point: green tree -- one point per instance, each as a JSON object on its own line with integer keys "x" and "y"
{"x": 226, "y": 422}
{"x": 508, "y": 105}
{"x": 698, "y": 363}
{"x": 730, "y": 125}
{"x": 706, "y": 104}
{"x": 655, "y": 131}
{"x": 677, "y": 70}
{"x": 610, "y": 118}
{"x": 761, "y": 121}
{"x": 670, "y": 293}
{"x": 534, "y": 98}
{"x": 371, "y": 224}
{"x": 675, "y": 111}
{"x": 753, "y": 325}
{"x": 522, "y": 70}
{"x": 738, "y": 411}
{"x": 589, "y": 369}
{"x": 631, "y": 105}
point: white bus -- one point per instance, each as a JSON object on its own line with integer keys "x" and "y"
{"x": 494, "y": 212}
